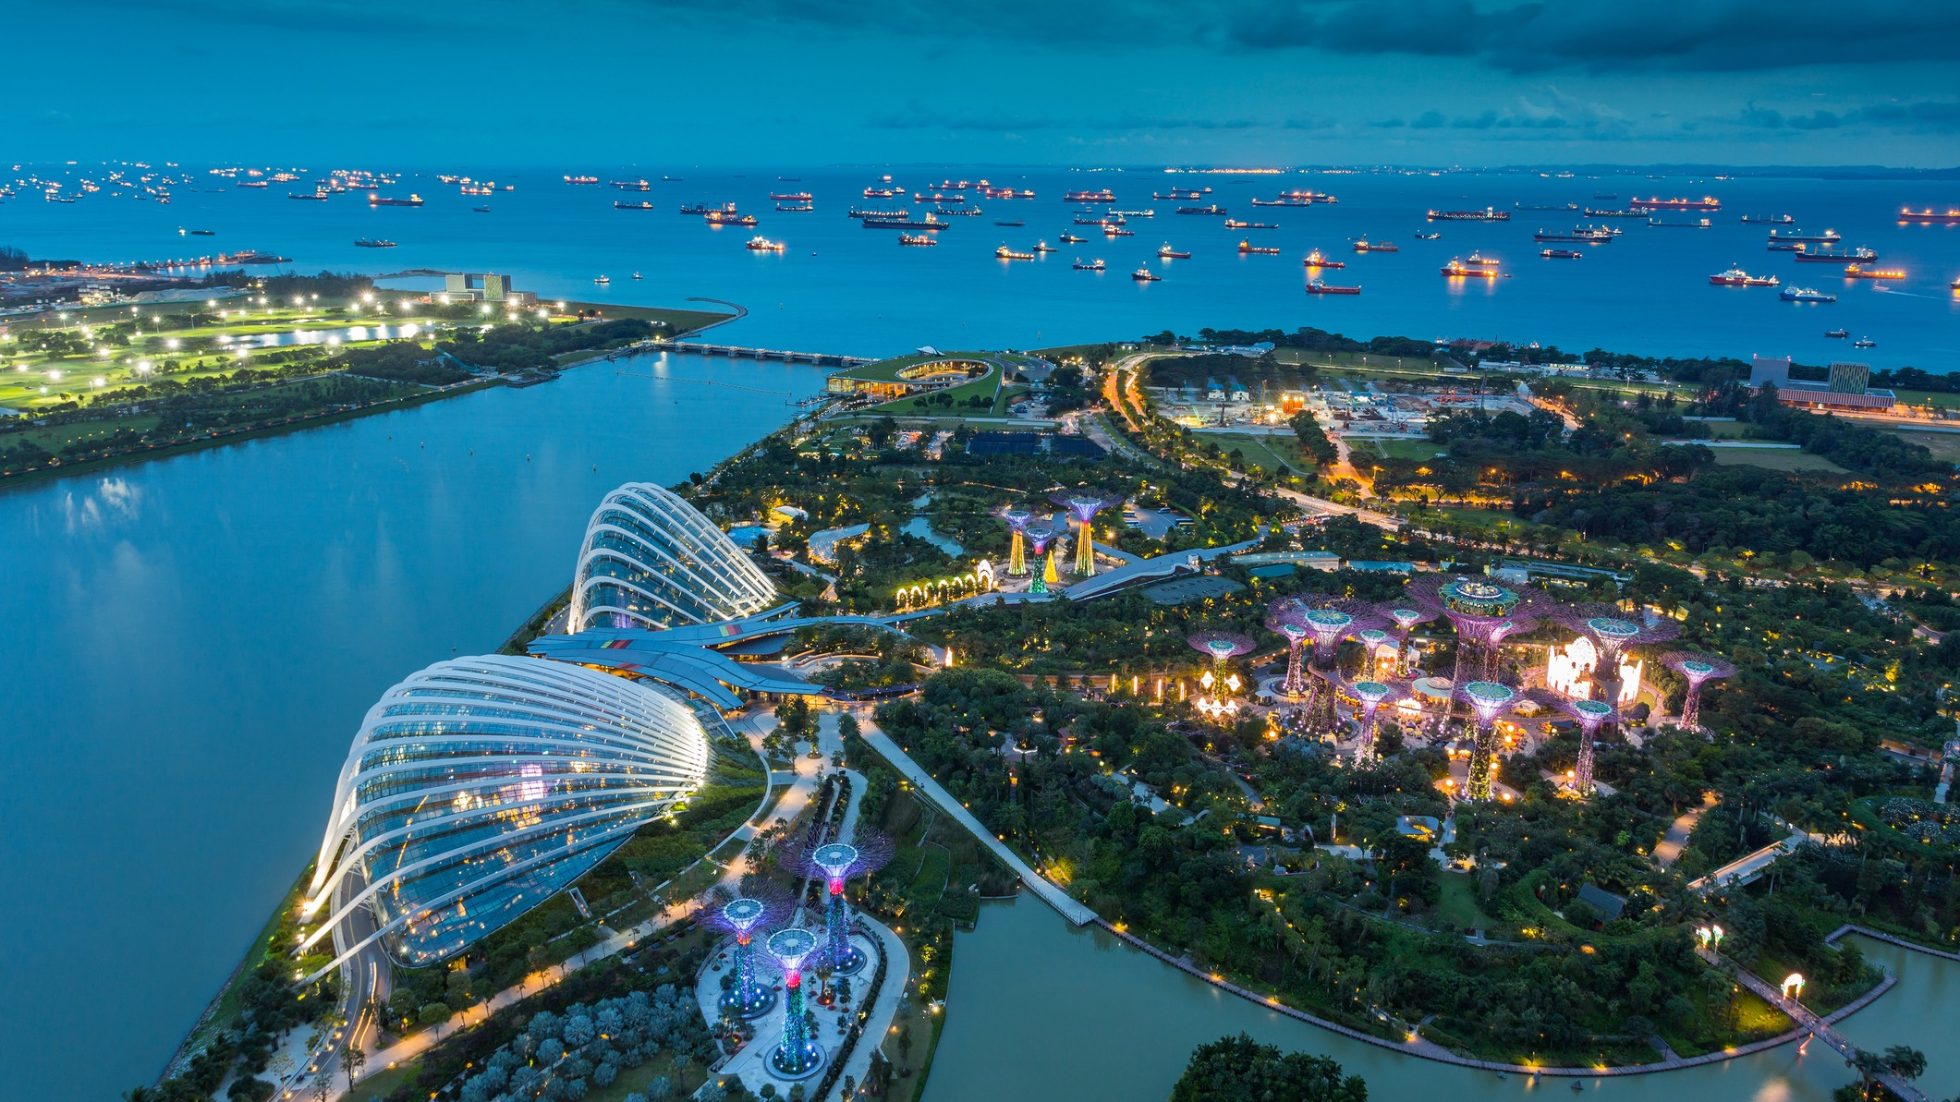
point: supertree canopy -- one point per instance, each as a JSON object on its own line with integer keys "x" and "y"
{"x": 1613, "y": 637}
{"x": 1406, "y": 615}
{"x": 1017, "y": 524}
{"x": 1221, "y": 645}
{"x": 1371, "y": 694}
{"x": 761, "y": 903}
{"x": 1488, "y": 699}
{"x": 1590, "y": 714}
{"x": 1083, "y": 505}
{"x": 1484, "y": 614}
{"x": 834, "y": 863}
{"x": 1696, "y": 670}
{"x": 798, "y": 1054}
{"x": 1328, "y": 620}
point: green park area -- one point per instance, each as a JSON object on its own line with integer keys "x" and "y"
{"x": 1776, "y": 459}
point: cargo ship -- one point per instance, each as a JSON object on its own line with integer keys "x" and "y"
{"x": 1007, "y": 193}
{"x": 703, "y": 208}
{"x": 1488, "y": 214}
{"x": 1864, "y": 342}
{"x": 373, "y": 243}
{"x": 633, "y": 185}
{"x": 1090, "y": 266}
{"x": 1165, "y": 252}
{"x": 1145, "y": 275}
{"x": 308, "y": 197}
{"x": 959, "y": 212}
{"x": 1861, "y": 255}
{"x": 377, "y": 200}
{"x": 1096, "y": 220}
{"x": 1145, "y": 213}
{"x": 1009, "y": 223}
{"x": 1706, "y": 202}
{"x": 1247, "y": 248}
{"x": 795, "y": 208}
{"x": 1100, "y": 195}
{"x": 1316, "y": 287}
{"x": 880, "y": 193}
{"x": 1805, "y": 294}
{"x": 1366, "y": 246}
{"x": 854, "y": 213}
{"x": 1837, "y": 334}
{"x": 1282, "y": 201}
{"x": 1005, "y": 253}
{"x": 581, "y": 181}
{"x": 1477, "y": 265}
{"x": 1574, "y": 235}
{"x": 1547, "y": 206}
{"x": 790, "y": 197}
{"x": 1213, "y": 209}
{"x": 1560, "y": 254}
{"x": 1859, "y": 271}
{"x": 1114, "y": 229}
{"x": 1043, "y": 246}
{"x": 1610, "y": 212}
{"x": 927, "y": 223}
{"x": 1318, "y": 259}
{"x": 1427, "y": 235}
{"x": 641, "y": 205}
{"x": 1736, "y": 277}
{"x": 1771, "y": 219}
{"x": 1697, "y": 224}
{"x": 1073, "y": 239}
{"x": 1236, "y": 224}
{"x": 764, "y": 245}
{"x": 1928, "y": 214}
{"x": 917, "y": 239}
{"x": 1180, "y": 193}
{"x": 728, "y": 218}
{"x": 1828, "y": 237}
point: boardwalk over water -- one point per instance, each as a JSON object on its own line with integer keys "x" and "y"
{"x": 743, "y": 352}
{"x": 1817, "y": 1027}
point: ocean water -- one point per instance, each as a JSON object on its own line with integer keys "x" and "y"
{"x": 839, "y": 287}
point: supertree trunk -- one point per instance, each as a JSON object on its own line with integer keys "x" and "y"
{"x": 1085, "y": 550}
{"x": 1483, "y": 762}
{"x": 1295, "y": 683}
{"x": 1582, "y": 773}
{"x": 1691, "y": 709}
{"x": 1017, "y": 557}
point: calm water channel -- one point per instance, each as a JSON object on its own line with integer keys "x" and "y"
{"x": 192, "y": 642}
{"x": 1041, "y": 1012}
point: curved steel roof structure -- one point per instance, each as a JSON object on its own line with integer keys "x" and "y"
{"x": 651, "y": 560}
{"x": 479, "y": 787}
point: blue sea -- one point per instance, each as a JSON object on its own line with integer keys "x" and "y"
{"x": 839, "y": 287}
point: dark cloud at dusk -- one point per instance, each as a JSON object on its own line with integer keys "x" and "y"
{"x": 1015, "y": 81}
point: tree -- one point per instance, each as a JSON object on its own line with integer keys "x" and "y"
{"x": 1239, "y": 1069}
{"x": 353, "y": 1059}
{"x": 1905, "y": 1061}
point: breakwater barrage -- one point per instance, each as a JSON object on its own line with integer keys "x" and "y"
{"x": 821, "y": 359}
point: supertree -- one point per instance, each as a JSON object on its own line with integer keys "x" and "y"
{"x": 1222, "y": 646}
{"x": 1696, "y": 669}
{"x": 1591, "y": 714}
{"x": 1282, "y": 616}
{"x": 1017, "y": 556}
{"x": 835, "y": 863}
{"x": 1329, "y": 620}
{"x": 1372, "y": 641}
{"x": 1082, "y": 506}
{"x": 798, "y": 1054}
{"x": 760, "y": 903}
{"x": 1406, "y": 615}
{"x": 1039, "y": 537}
{"x": 1488, "y": 699}
{"x": 1612, "y": 637}
{"x": 1483, "y": 614}
{"x": 1371, "y": 694}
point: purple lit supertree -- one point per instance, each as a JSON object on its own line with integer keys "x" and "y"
{"x": 797, "y": 1055}
{"x": 835, "y": 863}
{"x": 1591, "y": 714}
{"x": 1488, "y": 699}
{"x": 1017, "y": 556}
{"x": 1612, "y": 638}
{"x": 1483, "y": 614}
{"x": 1406, "y": 615}
{"x": 1696, "y": 669}
{"x": 1039, "y": 537}
{"x": 760, "y": 903}
{"x": 1328, "y": 620}
{"x": 1371, "y": 694}
{"x": 1372, "y": 641}
{"x": 1083, "y": 505}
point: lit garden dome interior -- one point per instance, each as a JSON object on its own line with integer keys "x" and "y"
{"x": 651, "y": 560}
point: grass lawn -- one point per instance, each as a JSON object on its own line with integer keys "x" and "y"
{"x": 1724, "y": 430}
{"x": 1415, "y": 450}
{"x": 374, "y": 1085}
{"x": 1776, "y": 459}
{"x": 677, "y": 321}
{"x": 1007, "y": 397}
{"x": 1273, "y": 453}
{"x": 1938, "y": 399}
{"x": 1458, "y": 905}
{"x": 985, "y": 386}
{"x": 1943, "y": 445}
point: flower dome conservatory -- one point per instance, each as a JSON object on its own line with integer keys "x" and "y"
{"x": 479, "y": 787}
{"x": 651, "y": 560}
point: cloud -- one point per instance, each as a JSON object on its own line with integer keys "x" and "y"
{"x": 918, "y": 116}
{"x": 1914, "y": 116}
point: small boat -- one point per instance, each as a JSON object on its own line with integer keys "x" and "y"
{"x": 1165, "y": 252}
{"x": 1864, "y": 342}
{"x": 602, "y": 280}
{"x": 1318, "y": 259}
{"x": 1005, "y": 253}
{"x": 1561, "y": 254}
{"x": 1428, "y": 235}
{"x": 1091, "y": 266}
{"x": 1316, "y": 287}
{"x": 373, "y": 243}
{"x": 1117, "y": 231}
{"x": 1366, "y": 246}
{"x": 1043, "y": 247}
{"x": 482, "y": 209}
{"x": 762, "y": 244}
{"x": 917, "y": 239}
{"x": 1837, "y": 334}
{"x": 1145, "y": 275}
{"x": 204, "y": 233}
{"x": 1072, "y": 239}
{"x": 1014, "y": 225}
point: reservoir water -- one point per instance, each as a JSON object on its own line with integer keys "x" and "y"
{"x": 192, "y": 642}
{"x": 1040, "y": 1011}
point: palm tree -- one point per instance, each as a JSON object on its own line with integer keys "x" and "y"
{"x": 1905, "y": 1062}
{"x": 1869, "y": 1065}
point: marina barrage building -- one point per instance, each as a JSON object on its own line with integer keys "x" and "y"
{"x": 651, "y": 560}
{"x": 479, "y": 787}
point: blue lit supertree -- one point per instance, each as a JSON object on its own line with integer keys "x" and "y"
{"x": 798, "y": 1054}
{"x": 1329, "y": 620}
{"x": 1283, "y": 618}
{"x": 1590, "y": 714}
{"x": 760, "y": 903}
{"x": 1371, "y": 694}
{"x": 836, "y": 863}
{"x": 1407, "y": 613}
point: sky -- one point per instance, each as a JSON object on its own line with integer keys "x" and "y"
{"x": 1022, "y": 82}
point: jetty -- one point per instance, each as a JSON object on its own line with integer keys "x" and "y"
{"x": 743, "y": 352}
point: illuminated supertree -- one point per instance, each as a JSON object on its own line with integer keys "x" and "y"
{"x": 760, "y": 904}
{"x": 1406, "y": 615}
{"x": 835, "y": 863}
{"x": 1696, "y": 669}
{"x": 1218, "y": 700}
{"x": 1082, "y": 506}
{"x": 1328, "y": 620}
{"x": 1017, "y": 524}
{"x": 1612, "y": 637}
{"x": 798, "y": 1054}
{"x": 1039, "y": 537}
{"x": 1487, "y": 699}
{"x": 1372, "y": 641}
{"x": 1483, "y": 614}
{"x": 1283, "y": 617}
{"x": 1591, "y": 714}
{"x": 1371, "y": 694}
